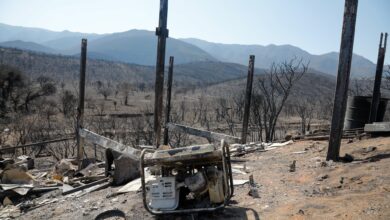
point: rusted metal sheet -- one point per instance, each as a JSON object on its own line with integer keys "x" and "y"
{"x": 344, "y": 70}
{"x": 107, "y": 143}
{"x": 211, "y": 136}
{"x": 376, "y": 95}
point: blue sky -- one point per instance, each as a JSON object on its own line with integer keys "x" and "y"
{"x": 313, "y": 25}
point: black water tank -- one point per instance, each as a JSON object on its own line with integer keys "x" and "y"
{"x": 358, "y": 111}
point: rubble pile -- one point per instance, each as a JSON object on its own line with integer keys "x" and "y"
{"x": 24, "y": 186}
{"x": 28, "y": 183}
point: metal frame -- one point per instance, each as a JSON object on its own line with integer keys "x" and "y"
{"x": 228, "y": 189}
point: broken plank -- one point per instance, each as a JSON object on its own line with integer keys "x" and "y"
{"x": 85, "y": 186}
{"x": 237, "y": 171}
{"x": 44, "y": 189}
{"x": 91, "y": 189}
{"x": 377, "y": 127}
{"x": 237, "y": 182}
{"x": 202, "y": 133}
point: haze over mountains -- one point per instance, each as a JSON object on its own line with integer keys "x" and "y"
{"x": 265, "y": 55}
{"x": 139, "y": 47}
{"x": 67, "y": 68}
{"x": 219, "y": 79}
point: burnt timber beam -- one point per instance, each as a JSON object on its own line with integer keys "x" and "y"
{"x": 80, "y": 109}
{"x": 344, "y": 70}
{"x": 377, "y": 127}
{"x": 248, "y": 96}
{"x": 212, "y": 136}
{"x": 107, "y": 143}
{"x": 376, "y": 94}
{"x": 86, "y": 186}
{"x": 169, "y": 94}
{"x": 162, "y": 33}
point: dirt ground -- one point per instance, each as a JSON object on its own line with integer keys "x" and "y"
{"x": 316, "y": 190}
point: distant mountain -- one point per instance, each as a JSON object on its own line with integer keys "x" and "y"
{"x": 37, "y": 35}
{"x": 265, "y": 55}
{"x": 134, "y": 46}
{"x": 361, "y": 67}
{"x": 18, "y": 44}
{"x": 67, "y": 44}
{"x": 139, "y": 46}
{"x": 240, "y": 53}
{"x": 66, "y": 68}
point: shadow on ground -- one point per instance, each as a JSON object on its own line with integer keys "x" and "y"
{"x": 378, "y": 157}
{"x": 229, "y": 213}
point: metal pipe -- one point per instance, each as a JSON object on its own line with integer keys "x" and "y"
{"x": 344, "y": 69}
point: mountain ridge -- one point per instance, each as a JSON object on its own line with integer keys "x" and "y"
{"x": 31, "y": 46}
{"x": 64, "y": 68}
{"x": 139, "y": 47}
{"x": 266, "y": 55}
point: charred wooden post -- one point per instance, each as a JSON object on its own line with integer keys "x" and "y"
{"x": 248, "y": 96}
{"x": 162, "y": 33}
{"x": 344, "y": 69}
{"x": 80, "y": 109}
{"x": 95, "y": 152}
{"x": 376, "y": 94}
{"x": 168, "y": 104}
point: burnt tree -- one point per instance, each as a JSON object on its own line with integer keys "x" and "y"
{"x": 274, "y": 88}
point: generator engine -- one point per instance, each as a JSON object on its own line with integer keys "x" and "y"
{"x": 188, "y": 179}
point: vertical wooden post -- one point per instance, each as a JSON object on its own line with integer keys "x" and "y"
{"x": 168, "y": 104}
{"x": 95, "y": 152}
{"x": 376, "y": 94}
{"x": 162, "y": 33}
{"x": 344, "y": 69}
{"x": 80, "y": 109}
{"x": 248, "y": 96}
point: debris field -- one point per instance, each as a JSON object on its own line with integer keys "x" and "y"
{"x": 268, "y": 184}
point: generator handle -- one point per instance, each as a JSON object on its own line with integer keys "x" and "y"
{"x": 142, "y": 172}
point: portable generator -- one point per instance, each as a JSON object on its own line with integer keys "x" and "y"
{"x": 188, "y": 179}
